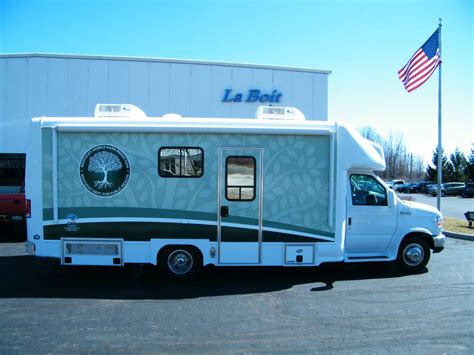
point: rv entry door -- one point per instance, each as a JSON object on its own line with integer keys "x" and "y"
{"x": 239, "y": 226}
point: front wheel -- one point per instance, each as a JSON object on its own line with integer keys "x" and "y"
{"x": 180, "y": 262}
{"x": 413, "y": 255}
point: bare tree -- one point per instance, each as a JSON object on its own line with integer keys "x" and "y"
{"x": 394, "y": 150}
{"x": 104, "y": 162}
{"x": 372, "y": 135}
{"x": 400, "y": 163}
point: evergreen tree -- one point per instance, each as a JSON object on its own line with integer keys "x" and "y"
{"x": 458, "y": 166}
{"x": 469, "y": 171}
{"x": 432, "y": 172}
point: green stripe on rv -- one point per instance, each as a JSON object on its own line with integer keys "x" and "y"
{"x": 130, "y": 212}
{"x": 145, "y": 231}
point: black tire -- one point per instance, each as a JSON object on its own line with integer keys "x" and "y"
{"x": 180, "y": 262}
{"x": 413, "y": 254}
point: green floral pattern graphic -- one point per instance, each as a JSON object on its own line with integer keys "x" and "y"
{"x": 296, "y": 174}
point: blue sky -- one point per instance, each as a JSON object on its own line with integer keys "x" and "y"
{"x": 364, "y": 43}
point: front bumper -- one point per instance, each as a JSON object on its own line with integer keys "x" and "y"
{"x": 438, "y": 243}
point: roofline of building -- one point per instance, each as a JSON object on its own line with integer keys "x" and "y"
{"x": 161, "y": 60}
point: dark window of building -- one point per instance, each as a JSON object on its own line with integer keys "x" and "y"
{"x": 12, "y": 172}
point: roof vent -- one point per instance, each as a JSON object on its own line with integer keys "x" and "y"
{"x": 118, "y": 110}
{"x": 279, "y": 113}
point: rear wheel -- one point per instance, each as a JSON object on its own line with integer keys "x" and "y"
{"x": 414, "y": 254}
{"x": 180, "y": 262}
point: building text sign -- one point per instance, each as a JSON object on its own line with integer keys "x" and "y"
{"x": 253, "y": 95}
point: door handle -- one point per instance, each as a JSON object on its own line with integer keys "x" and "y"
{"x": 349, "y": 221}
{"x": 224, "y": 211}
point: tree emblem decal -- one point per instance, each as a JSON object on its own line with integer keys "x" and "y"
{"x": 104, "y": 170}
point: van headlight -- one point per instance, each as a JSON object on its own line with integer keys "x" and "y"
{"x": 439, "y": 222}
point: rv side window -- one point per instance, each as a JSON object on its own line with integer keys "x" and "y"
{"x": 175, "y": 162}
{"x": 367, "y": 191}
{"x": 240, "y": 178}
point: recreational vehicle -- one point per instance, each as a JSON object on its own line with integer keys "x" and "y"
{"x": 182, "y": 193}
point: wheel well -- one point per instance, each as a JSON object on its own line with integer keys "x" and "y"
{"x": 168, "y": 247}
{"x": 426, "y": 237}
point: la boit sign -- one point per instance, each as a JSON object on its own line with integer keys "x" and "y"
{"x": 253, "y": 95}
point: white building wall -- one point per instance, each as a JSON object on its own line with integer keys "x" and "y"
{"x": 33, "y": 85}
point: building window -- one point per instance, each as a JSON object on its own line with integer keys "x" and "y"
{"x": 175, "y": 162}
{"x": 240, "y": 178}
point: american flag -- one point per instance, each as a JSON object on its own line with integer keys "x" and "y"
{"x": 422, "y": 64}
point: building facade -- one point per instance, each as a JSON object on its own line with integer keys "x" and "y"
{"x": 34, "y": 85}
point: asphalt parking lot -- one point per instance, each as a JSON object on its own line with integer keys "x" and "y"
{"x": 336, "y": 308}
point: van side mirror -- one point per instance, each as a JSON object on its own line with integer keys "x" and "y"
{"x": 391, "y": 198}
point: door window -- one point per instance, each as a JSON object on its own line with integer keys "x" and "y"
{"x": 367, "y": 191}
{"x": 240, "y": 178}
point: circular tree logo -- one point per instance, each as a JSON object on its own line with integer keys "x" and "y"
{"x": 104, "y": 170}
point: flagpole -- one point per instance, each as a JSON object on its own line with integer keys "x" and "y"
{"x": 440, "y": 147}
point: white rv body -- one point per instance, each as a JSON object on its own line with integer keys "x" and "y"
{"x": 117, "y": 190}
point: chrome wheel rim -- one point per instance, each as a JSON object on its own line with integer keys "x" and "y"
{"x": 180, "y": 262}
{"x": 413, "y": 254}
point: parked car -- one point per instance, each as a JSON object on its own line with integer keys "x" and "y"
{"x": 468, "y": 190}
{"x": 421, "y": 187}
{"x": 449, "y": 188}
{"x": 393, "y": 183}
{"x": 414, "y": 188}
{"x": 403, "y": 188}
{"x": 429, "y": 187}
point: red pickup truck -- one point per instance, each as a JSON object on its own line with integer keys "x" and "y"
{"x": 14, "y": 207}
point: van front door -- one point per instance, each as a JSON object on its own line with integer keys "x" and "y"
{"x": 371, "y": 222}
{"x": 239, "y": 226}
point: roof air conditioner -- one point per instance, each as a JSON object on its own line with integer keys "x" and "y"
{"x": 118, "y": 110}
{"x": 279, "y": 113}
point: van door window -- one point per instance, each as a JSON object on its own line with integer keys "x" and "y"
{"x": 367, "y": 191}
{"x": 240, "y": 178}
